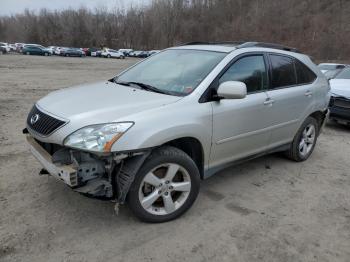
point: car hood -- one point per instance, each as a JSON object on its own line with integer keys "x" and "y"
{"x": 101, "y": 102}
{"x": 340, "y": 87}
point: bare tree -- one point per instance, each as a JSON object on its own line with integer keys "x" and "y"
{"x": 318, "y": 27}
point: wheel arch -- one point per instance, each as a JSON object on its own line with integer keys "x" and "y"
{"x": 192, "y": 147}
{"x": 320, "y": 117}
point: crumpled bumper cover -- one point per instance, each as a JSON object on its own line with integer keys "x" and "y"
{"x": 65, "y": 173}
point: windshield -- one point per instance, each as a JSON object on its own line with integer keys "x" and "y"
{"x": 331, "y": 73}
{"x": 345, "y": 74}
{"x": 330, "y": 66}
{"x": 174, "y": 71}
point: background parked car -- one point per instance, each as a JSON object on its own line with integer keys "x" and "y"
{"x": 89, "y": 51}
{"x": 96, "y": 53}
{"x": 58, "y": 50}
{"x": 19, "y": 47}
{"x": 153, "y": 52}
{"x": 140, "y": 54}
{"x": 340, "y": 100}
{"x": 35, "y": 50}
{"x": 52, "y": 49}
{"x": 70, "y": 51}
{"x": 143, "y": 54}
{"x": 330, "y": 74}
{"x": 3, "y": 50}
{"x": 111, "y": 53}
{"x": 126, "y": 52}
{"x": 324, "y": 67}
{"x": 6, "y": 46}
{"x": 12, "y": 47}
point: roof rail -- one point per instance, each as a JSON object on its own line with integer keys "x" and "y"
{"x": 233, "y": 43}
{"x": 269, "y": 45}
{"x": 243, "y": 44}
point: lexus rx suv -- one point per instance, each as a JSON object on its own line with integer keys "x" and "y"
{"x": 148, "y": 136}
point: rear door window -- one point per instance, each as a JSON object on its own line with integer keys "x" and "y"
{"x": 283, "y": 71}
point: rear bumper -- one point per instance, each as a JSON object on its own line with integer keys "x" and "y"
{"x": 65, "y": 173}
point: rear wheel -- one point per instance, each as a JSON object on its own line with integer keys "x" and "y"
{"x": 46, "y": 54}
{"x": 27, "y": 53}
{"x": 67, "y": 55}
{"x": 165, "y": 187}
{"x": 304, "y": 141}
{"x": 108, "y": 56}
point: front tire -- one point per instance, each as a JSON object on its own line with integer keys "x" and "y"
{"x": 165, "y": 187}
{"x": 304, "y": 141}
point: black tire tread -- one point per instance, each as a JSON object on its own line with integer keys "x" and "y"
{"x": 293, "y": 152}
{"x": 155, "y": 158}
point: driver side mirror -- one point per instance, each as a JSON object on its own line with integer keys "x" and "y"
{"x": 232, "y": 90}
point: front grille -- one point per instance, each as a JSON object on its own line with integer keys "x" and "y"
{"x": 342, "y": 102}
{"x": 42, "y": 123}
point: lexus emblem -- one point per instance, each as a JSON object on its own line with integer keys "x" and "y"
{"x": 34, "y": 119}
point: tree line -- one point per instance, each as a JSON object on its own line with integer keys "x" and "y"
{"x": 320, "y": 28}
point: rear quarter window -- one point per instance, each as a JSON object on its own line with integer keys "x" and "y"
{"x": 304, "y": 74}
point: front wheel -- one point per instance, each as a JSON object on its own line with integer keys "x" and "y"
{"x": 304, "y": 141}
{"x": 165, "y": 187}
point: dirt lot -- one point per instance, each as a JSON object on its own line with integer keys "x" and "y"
{"x": 269, "y": 209}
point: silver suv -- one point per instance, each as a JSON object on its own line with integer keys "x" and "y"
{"x": 148, "y": 136}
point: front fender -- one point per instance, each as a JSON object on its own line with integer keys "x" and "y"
{"x": 147, "y": 139}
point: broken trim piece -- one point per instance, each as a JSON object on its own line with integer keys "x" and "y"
{"x": 126, "y": 174}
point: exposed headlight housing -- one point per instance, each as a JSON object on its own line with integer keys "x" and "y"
{"x": 97, "y": 138}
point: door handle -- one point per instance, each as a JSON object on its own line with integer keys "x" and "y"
{"x": 269, "y": 101}
{"x": 308, "y": 93}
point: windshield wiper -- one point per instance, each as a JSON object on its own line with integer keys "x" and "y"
{"x": 144, "y": 87}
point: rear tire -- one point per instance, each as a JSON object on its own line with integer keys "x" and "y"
{"x": 160, "y": 178}
{"x": 27, "y": 53}
{"x": 67, "y": 55}
{"x": 304, "y": 141}
{"x": 108, "y": 56}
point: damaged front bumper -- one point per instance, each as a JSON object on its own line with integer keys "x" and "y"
{"x": 108, "y": 176}
{"x": 65, "y": 173}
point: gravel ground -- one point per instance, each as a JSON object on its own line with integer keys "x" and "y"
{"x": 269, "y": 209}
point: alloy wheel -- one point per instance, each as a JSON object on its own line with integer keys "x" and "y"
{"x": 165, "y": 189}
{"x": 307, "y": 140}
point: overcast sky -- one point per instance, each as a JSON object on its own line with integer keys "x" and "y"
{"x": 8, "y": 7}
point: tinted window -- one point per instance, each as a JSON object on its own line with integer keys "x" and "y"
{"x": 304, "y": 74}
{"x": 250, "y": 70}
{"x": 283, "y": 72}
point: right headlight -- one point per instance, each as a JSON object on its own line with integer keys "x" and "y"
{"x": 97, "y": 138}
